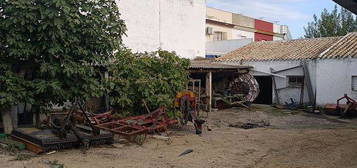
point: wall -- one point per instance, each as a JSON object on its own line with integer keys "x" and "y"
{"x": 225, "y": 46}
{"x": 277, "y": 38}
{"x": 143, "y": 27}
{"x": 168, "y": 24}
{"x": 241, "y": 34}
{"x": 262, "y": 68}
{"x": 263, "y": 28}
{"x": 243, "y": 21}
{"x": 334, "y": 79}
{"x": 262, "y": 37}
{"x": 183, "y": 27}
{"x": 219, "y": 28}
{"x": 219, "y": 15}
{"x": 263, "y": 25}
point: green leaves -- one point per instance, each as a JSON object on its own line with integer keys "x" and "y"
{"x": 154, "y": 77}
{"x": 334, "y": 23}
{"x": 53, "y": 50}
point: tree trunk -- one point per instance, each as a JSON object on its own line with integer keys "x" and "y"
{"x": 14, "y": 111}
{"x": 7, "y": 120}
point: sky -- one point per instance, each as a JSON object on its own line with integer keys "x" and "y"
{"x": 294, "y": 13}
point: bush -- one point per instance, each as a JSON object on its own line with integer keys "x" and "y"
{"x": 153, "y": 77}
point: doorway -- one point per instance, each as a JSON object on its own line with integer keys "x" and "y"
{"x": 266, "y": 90}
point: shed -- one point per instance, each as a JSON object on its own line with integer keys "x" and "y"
{"x": 304, "y": 70}
{"x": 214, "y": 77}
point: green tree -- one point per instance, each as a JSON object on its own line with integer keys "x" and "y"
{"x": 329, "y": 24}
{"x": 154, "y": 77}
{"x": 50, "y": 49}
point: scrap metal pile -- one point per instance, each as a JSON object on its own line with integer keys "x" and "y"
{"x": 63, "y": 133}
{"x": 156, "y": 121}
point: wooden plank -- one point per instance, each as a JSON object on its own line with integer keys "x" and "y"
{"x": 29, "y": 145}
{"x": 308, "y": 83}
{"x": 209, "y": 90}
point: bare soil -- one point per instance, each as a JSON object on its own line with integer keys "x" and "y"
{"x": 294, "y": 139}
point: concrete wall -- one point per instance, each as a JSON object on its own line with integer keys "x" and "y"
{"x": 241, "y": 34}
{"x": 219, "y": 15}
{"x": 277, "y": 38}
{"x": 334, "y": 78}
{"x": 225, "y": 46}
{"x": 243, "y": 21}
{"x": 168, "y": 24}
{"x": 219, "y": 28}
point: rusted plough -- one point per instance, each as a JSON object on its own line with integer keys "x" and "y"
{"x": 156, "y": 121}
{"x": 342, "y": 109}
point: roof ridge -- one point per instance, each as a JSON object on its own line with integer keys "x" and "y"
{"x": 303, "y": 39}
{"x": 333, "y": 45}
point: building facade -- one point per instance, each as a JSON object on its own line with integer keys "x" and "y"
{"x": 305, "y": 70}
{"x": 165, "y": 24}
{"x": 223, "y": 25}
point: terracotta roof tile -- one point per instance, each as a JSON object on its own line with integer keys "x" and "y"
{"x": 210, "y": 64}
{"x": 344, "y": 48}
{"x": 281, "y": 50}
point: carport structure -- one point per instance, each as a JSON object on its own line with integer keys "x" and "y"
{"x": 214, "y": 77}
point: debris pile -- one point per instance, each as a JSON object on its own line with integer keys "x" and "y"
{"x": 250, "y": 124}
{"x": 156, "y": 121}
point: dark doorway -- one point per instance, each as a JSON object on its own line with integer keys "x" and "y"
{"x": 266, "y": 90}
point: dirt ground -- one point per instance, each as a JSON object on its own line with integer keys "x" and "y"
{"x": 294, "y": 139}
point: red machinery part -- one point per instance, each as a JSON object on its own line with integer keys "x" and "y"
{"x": 157, "y": 120}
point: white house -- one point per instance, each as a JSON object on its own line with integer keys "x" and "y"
{"x": 173, "y": 25}
{"x": 306, "y": 70}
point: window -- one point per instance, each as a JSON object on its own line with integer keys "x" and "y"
{"x": 354, "y": 83}
{"x": 219, "y": 36}
{"x": 295, "y": 81}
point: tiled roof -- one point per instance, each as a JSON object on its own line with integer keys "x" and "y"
{"x": 281, "y": 50}
{"x": 344, "y": 48}
{"x": 210, "y": 64}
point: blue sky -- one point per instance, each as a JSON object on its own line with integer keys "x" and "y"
{"x": 294, "y": 13}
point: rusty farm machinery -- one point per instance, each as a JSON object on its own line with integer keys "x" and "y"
{"x": 348, "y": 108}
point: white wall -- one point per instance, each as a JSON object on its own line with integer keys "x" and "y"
{"x": 334, "y": 79}
{"x": 275, "y": 38}
{"x": 262, "y": 68}
{"x": 168, "y": 24}
{"x": 241, "y": 34}
{"x": 224, "y": 46}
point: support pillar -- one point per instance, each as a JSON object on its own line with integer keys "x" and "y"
{"x": 209, "y": 90}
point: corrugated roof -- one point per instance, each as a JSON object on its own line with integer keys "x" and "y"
{"x": 344, "y": 48}
{"x": 281, "y": 50}
{"x": 210, "y": 64}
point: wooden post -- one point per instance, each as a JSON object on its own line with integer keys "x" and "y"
{"x": 106, "y": 96}
{"x": 209, "y": 90}
{"x": 7, "y": 120}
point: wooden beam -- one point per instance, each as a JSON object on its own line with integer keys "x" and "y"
{"x": 209, "y": 90}
{"x": 308, "y": 83}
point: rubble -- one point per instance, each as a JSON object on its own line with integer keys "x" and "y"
{"x": 250, "y": 124}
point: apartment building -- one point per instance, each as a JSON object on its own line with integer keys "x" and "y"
{"x": 224, "y": 25}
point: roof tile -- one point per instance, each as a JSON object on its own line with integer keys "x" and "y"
{"x": 281, "y": 50}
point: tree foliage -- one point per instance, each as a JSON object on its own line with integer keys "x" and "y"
{"x": 55, "y": 51}
{"x": 48, "y": 49}
{"x": 329, "y": 24}
{"x": 153, "y": 77}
